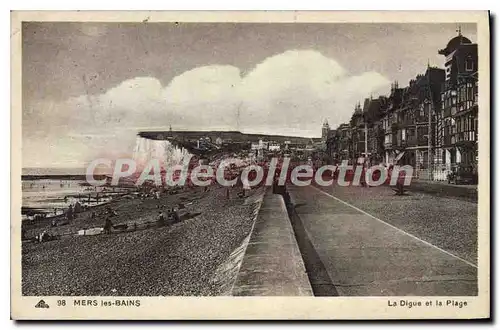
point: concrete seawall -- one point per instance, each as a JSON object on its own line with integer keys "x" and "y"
{"x": 272, "y": 264}
{"x": 227, "y": 273}
{"x": 467, "y": 192}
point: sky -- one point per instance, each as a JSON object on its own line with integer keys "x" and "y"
{"x": 88, "y": 88}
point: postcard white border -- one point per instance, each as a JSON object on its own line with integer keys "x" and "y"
{"x": 257, "y": 307}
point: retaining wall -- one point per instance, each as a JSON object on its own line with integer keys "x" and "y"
{"x": 272, "y": 264}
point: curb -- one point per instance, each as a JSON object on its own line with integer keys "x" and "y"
{"x": 272, "y": 264}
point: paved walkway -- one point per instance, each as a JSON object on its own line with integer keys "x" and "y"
{"x": 365, "y": 256}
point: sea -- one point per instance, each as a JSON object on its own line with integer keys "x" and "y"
{"x": 52, "y": 190}
{"x": 51, "y": 194}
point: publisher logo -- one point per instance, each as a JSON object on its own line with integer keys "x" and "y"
{"x": 42, "y": 304}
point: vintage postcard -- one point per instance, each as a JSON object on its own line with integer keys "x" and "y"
{"x": 250, "y": 165}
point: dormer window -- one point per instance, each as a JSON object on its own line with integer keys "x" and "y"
{"x": 469, "y": 64}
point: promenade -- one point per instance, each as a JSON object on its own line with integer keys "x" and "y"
{"x": 374, "y": 253}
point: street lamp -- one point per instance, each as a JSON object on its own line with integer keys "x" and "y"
{"x": 429, "y": 99}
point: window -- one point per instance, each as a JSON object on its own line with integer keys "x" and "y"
{"x": 422, "y": 132}
{"x": 470, "y": 92}
{"x": 469, "y": 64}
{"x": 462, "y": 96}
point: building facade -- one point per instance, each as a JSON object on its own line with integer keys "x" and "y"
{"x": 389, "y": 123}
{"x": 357, "y": 125}
{"x": 457, "y": 131}
{"x": 339, "y": 144}
{"x": 325, "y": 131}
{"x": 431, "y": 124}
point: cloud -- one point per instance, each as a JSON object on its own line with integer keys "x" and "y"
{"x": 206, "y": 98}
{"x": 289, "y": 93}
{"x": 293, "y": 71}
{"x": 299, "y": 89}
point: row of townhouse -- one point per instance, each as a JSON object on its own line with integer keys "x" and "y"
{"x": 431, "y": 124}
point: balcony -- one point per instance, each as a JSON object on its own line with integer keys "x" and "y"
{"x": 466, "y": 136}
{"x": 423, "y": 119}
{"x": 406, "y": 123}
{"x": 417, "y": 142}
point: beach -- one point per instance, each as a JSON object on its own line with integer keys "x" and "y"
{"x": 176, "y": 259}
{"x": 52, "y": 197}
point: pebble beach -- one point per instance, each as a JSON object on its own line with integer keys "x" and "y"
{"x": 174, "y": 260}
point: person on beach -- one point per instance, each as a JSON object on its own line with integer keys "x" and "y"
{"x": 161, "y": 220}
{"x": 110, "y": 211}
{"x": 69, "y": 213}
{"x": 108, "y": 225}
{"x": 177, "y": 217}
{"x": 174, "y": 216}
{"x": 44, "y": 237}
{"x": 77, "y": 209}
{"x": 245, "y": 186}
{"x": 41, "y": 236}
{"x": 277, "y": 188}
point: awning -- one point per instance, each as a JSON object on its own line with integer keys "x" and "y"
{"x": 399, "y": 156}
